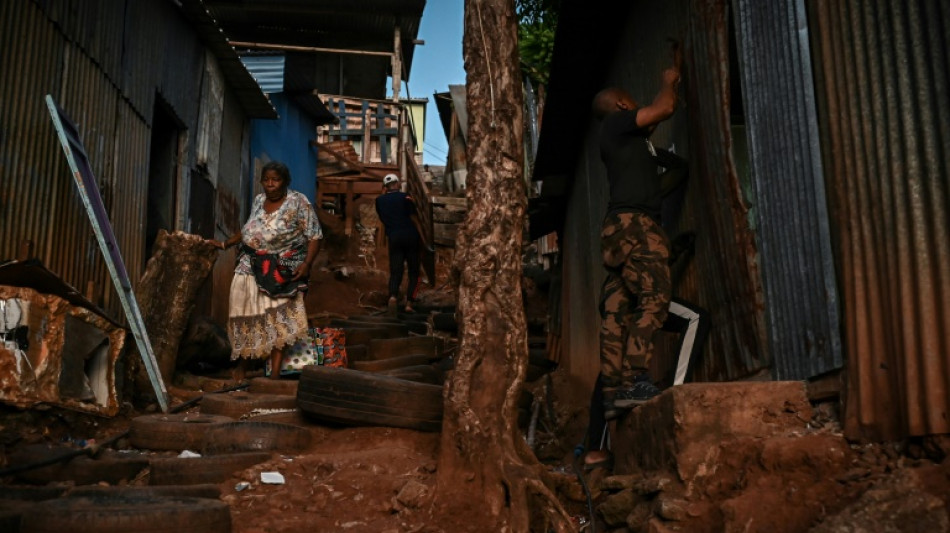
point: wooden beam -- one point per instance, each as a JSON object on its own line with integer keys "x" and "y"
{"x": 314, "y": 49}
{"x": 346, "y": 161}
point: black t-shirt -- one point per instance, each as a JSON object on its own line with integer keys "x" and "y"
{"x": 631, "y": 169}
{"x": 395, "y": 209}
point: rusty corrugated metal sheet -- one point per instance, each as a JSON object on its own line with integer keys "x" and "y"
{"x": 724, "y": 277}
{"x": 96, "y": 27}
{"x": 39, "y": 202}
{"x": 796, "y": 259}
{"x": 882, "y": 79}
{"x": 111, "y": 96}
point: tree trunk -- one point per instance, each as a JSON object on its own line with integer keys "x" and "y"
{"x": 488, "y": 478}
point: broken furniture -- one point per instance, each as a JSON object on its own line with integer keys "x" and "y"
{"x": 57, "y": 348}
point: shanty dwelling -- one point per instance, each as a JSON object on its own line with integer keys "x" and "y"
{"x": 817, "y": 135}
{"x": 338, "y": 73}
{"x": 162, "y": 105}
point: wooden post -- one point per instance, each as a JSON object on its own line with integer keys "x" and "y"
{"x": 397, "y": 62}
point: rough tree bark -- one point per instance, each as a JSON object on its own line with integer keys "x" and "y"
{"x": 484, "y": 461}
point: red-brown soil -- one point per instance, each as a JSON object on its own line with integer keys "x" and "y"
{"x": 379, "y": 480}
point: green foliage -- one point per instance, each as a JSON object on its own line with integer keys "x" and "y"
{"x": 537, "y": 23}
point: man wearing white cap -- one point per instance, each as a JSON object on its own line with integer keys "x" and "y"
{"x": 397, "y": 211}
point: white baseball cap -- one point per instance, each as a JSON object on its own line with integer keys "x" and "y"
{"x": 390, "y": 178}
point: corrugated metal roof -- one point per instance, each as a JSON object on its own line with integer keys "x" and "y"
{"x": 267, "y": 70}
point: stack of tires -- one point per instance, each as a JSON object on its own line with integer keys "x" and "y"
{"x": 394, "y": 377}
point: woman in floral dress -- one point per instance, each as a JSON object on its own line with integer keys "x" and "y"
{"x": 278, "y": 245}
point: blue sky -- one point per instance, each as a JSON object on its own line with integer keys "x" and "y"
{"x": 436, "y": 65}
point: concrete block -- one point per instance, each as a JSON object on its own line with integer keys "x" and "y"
{"x": 683, "y": 430}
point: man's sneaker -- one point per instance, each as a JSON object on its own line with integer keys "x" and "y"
{"x": 639, "y": 392}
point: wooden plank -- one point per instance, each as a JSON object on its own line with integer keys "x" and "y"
{"x": 445, "y": 234}
{"x": 450, "y": 200}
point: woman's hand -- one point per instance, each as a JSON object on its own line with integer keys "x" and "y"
{"x": 232, "y": 241}
{"x": 301, "y": 271}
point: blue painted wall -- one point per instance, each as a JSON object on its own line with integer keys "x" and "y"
{"x": 287, "y": 140}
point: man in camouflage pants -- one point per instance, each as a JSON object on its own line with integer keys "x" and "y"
{"x": 635, "y": 249}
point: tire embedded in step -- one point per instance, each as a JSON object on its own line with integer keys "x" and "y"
{"x": 393, "y": 329}
{"x": 418, "y": 373}
{"x": 445, "y": 322}
{"x": 177, "y": 431}
{"x": 198, "y": 470}
{"x": 115, "y": 514}
{"x": 253, "y": 436}
{"x": 392, "y": 363}
{"x": 286, "y": 387}
{"x": 293, "y": 417}
{"x": 353, "y": 397}
{"x": 202, "y": 490}
{"x": 240, "y": 403}
{"x": 108, "y": 466}
{"x": 386, "y": 348}
{"x": 364, "y": 335}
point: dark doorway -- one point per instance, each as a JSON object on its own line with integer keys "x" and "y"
{"x": 163, "y": 173}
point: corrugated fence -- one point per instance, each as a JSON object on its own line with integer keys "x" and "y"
{"x": 882, "y": 79}
{"x": 796, "y": 259}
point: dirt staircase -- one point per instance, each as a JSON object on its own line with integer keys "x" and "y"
{"x": 753, "y": 456}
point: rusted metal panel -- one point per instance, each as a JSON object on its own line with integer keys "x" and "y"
{"x": 61, "y": 354}
{"x": 96, "y": 26}
{"x": 724, "y": 276}
{"x": 882, "y": 80}
{"x": 795, "y": 254}
{"x": 108, "y": 80}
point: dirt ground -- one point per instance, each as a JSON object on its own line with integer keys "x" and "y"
{"x": 382, "y": 480}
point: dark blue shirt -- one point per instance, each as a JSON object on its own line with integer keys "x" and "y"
{"x": 395, "y": 209}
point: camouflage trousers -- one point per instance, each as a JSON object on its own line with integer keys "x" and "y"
{"x": 635, "y": 296}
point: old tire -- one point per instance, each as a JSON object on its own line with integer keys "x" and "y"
{"x": 364, "y": 335}
{"x": 386, "y": 348}
{"x": 114, "y": 514}
{"x": 110, "y": 466}
{"x": 392, "y": 363}
{"x": 203, "y": 490}
{"x": 178, "y": 432}
{"x": 256, "y": 437}
{"x": 353, "y": 397}
{"x": 285, "y": 387}
{"x": 293, "y": 417}
{"x": 418, "y": 373}
{"x": 197, "y": 470}
{"x": 238, "y": 404}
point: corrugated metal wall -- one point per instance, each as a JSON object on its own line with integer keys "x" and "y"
{"x": 723, "y": 276}
{"x": 39, "y": 202}
{"x": 104, "y": 62}
{"x": 796, "y": 259}
{"x": 883, "y": 73}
